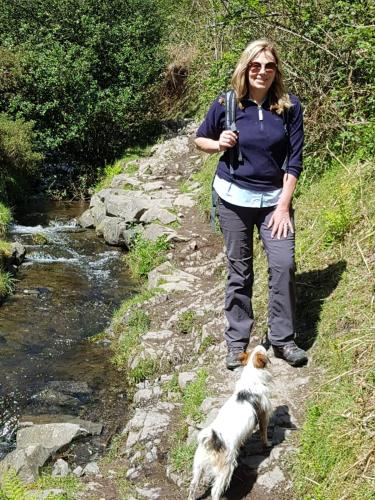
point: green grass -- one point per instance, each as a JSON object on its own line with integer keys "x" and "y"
{"x": 126, "y": 165}
{"x": 194, "y": 395}
{"x": 182, "y": 453}
{"x": 145, "y": 255}
{"x": 5, "y": 247}
{"x": 70, "y": 484}
{"x": 127, "y": 343}
{"x": 5, "y": 218}
{"x": 12, "y": 488}
{"x": 6, "y": 284}
{"x": 205, "y": 176}
{"x": 186, "y": 322}
{"x": 336, "y": 228}
{"x": 145, "y": 369}
{"x": 206, "y": 343}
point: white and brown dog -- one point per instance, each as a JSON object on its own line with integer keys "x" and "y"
{"x": 220, "y": 442}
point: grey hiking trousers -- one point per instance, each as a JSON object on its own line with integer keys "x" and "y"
{"x": 237, "y": 225}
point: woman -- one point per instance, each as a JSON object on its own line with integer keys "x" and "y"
{"x": 257, "y": 191}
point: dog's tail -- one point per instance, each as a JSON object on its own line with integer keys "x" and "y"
{"x": 211, "y": 440}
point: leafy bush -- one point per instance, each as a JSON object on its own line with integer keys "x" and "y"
{"x": 17, "y": 157}
{"x": 5, "y": 218}
{"x": 81, "y": 70}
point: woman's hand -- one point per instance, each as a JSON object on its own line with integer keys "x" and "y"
{"x": 281, "y": 223}
{"x": 227, "y": 140}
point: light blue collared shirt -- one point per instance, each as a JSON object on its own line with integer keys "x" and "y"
{"x": 245, "y": 197}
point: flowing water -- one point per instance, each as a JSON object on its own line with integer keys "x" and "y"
{"x": 66, "y": 291}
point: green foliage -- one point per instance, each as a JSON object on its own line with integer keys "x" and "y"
{"x": 144, "y": 370}
{"x": 182, "y": 455}
{"x": 337, "y": 448}
{"x": 145, "y": 255}
{"x": 12, "y": 488}
{"x": 127, "y": 344}
{"x": 194, "y": 395}
{"x": 70, "y": 484}
{"x": 208, "y": 341}
{"x": 131, "y": 302}
{"x": 6, "y": 284}
{"x": 17, "y": 157}
{"x": 186, "y": 322}
{"x": 84, "y": 78}
{"x": 5, "y": 218}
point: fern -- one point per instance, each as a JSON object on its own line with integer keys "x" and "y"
{"x": 12, "y": 487}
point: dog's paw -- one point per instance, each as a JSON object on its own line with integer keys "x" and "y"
{"x": 267, "y": 444}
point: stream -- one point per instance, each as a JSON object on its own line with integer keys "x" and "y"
{"x": 66, "y": 291}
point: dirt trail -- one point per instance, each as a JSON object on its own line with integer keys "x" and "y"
{"x": 142, "y": 464}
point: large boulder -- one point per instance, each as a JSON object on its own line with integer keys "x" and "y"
{"x": 158, "y": 214}
{"x": 86, "y": 220}
{"x": 112, "y": 229}
{"x": 129, "y": 205}
{"x": 37, "y": 442}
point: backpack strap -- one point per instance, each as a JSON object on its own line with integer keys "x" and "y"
{"x": 286, "y": 122}
{"x": 230, "y": 104}
{"x": 230, "y": 124}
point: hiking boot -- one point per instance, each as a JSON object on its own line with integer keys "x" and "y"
{"x": 291, "y": 353}
{"x": 233, "y": 359}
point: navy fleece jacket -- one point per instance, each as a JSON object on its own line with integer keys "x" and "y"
{"x": 263, "y": 144}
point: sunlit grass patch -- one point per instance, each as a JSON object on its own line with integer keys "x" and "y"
{"x": 6, "y": 283}
{"x": 336, "y": 458}
{"x": 5, "y": 218}
{"x": 145, "y": 255}
{"x": 130, "y": 332}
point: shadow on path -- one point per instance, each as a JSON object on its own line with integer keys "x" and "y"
{"x": 313, "y": 288}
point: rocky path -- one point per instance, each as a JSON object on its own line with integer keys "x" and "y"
{"x": 144, "y": 463}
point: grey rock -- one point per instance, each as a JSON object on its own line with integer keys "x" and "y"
{"x": 51, "y": 436}
{"x": 25, "y": 462}
{"x": 86, "y": 220}
{"x": 91, "y": 468}
{"x": 158, "y": 214}
{"x": 185, "y": 378}
{"x": 123, "y": 180}
{"x": 170, "y": 279}
{"x": 98, "y": 213}
{"x": 17, "y": 254}
{"x": 78, "y": 471}
{"x": 154, "y": 231}
{"x": 92, "y": 428}
{"x": 129, "y": 205}
{"x": 148, "y": 424}
{"x": 46, "y": 494}
{"x": 159, "y": 336}
{"x": 152, "y": 493}
{"x": 184, "y": 200}
{"x": 153, "y": 186}
{"x": 271, "y": 478}
{"x": 60, "y": 468}
{"x": 112, "y": 229}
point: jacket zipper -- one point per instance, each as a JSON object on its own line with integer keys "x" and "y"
{"x": 260, "y": 116}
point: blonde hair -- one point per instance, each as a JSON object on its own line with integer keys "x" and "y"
{"x": 279, "y": 99}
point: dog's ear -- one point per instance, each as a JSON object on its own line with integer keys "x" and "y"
{"x": 260, "y": 360}
{"x": 244, "y": 358}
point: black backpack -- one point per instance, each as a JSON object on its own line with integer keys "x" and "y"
{"x": 235, "y": 156}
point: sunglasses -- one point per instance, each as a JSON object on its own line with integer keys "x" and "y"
{"x": 269, "y": 67}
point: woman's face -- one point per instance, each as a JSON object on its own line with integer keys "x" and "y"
{"x": 262, "y": 71}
